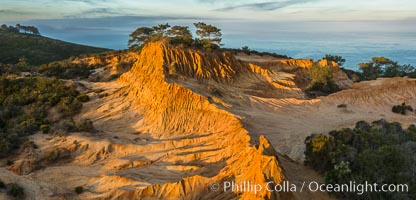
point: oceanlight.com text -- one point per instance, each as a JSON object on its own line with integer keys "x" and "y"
{"x": 313, "y": 186}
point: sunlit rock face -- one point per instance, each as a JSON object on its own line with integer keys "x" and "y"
{"x": 177, "y": 121}
{"x": 209, "y": 141}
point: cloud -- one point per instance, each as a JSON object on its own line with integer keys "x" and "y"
{"x": 13, "y": 12}
{"x": 7, "y": 15}
{"x": 267, "y": 6}
{"x": 96, "y": 12}
{"x": 89, "y": 1}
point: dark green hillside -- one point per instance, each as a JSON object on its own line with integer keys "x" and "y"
{"x": 380, "y": 152}
{"x": 38, "y": 49}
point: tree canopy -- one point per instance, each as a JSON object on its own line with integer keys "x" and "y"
{"x": 20, "y": 28}
{"x": 176, "y": 35}
{"x": 209, "y": 36}
{"x": 11, "y": 29}
{"x": 380, "y": 152}
{"x": 160, "y": 31}
{"x": 384, "y": 67}
{"x": 321, "y": 80}
{"x": 180, "y": 35}
{"x": 28, "y": 29}
{"x": 140, "y": 37}
{"x": 338, "y": 59}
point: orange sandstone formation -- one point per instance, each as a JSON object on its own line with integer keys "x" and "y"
{"x": 174, "y": 111}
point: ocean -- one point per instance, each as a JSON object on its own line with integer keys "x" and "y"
{"x": 356, "y": 41}
{"x": 354, "y": 47}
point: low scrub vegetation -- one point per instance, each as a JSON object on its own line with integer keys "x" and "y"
{"x": 16, "y": 191}
{"x": 85, "y": 125}
{"x": 402, "y": 109}
{"x": 377, "y": 67}
{"x": 45, "y": 128}
{"x": 83, "y": 98}
{"x": 16, "y": 69}
{"x": 25, "y": 105}
{"x": 384, "y": 67}
{"x": 38, "y": 50}
{"x": 321, "y": 81}
{"x": 334, "y": 58}
{"x": 79, "y": 190}
{"x": 249, "y": 51}
{"x": 65, "y": 70}
{"x": 380, "y": 152}
{"x": 342, "y": 105}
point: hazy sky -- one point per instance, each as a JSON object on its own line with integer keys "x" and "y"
{"x": 17, "y": 10}
{"x": 354, "y": 29}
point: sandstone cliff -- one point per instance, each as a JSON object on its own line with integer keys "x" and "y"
{"x": 176, "y": 122}
{"x": 174, "y": 111}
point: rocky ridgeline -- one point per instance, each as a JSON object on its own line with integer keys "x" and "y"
{"x": 176, "y": 111}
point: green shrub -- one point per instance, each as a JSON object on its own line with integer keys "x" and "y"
{"x": 338, "y": 59}
{"x": 384, "y": 67}
{"x": 402, "y": 109}
{"x": 85, "y": 125}
{"x": 29, "y": 144}
{"x": 24, "y": 104}
{"x": 317, "y": 151}
{"x": 52, "y": 156}
{"x": 83, "y": 98}
{"x": 79, "y": 190}
{"x": 65, "y": 70}
{"x": 16, "y": 191}
{"x": 248, "y": 51}
{"x": 340, "y": 172}
{"x": 38, "y": 50}
{"x": 45, "y": 128}
{"x": 69, "y": 106}
{"x": 373, "y": 69}
{"x": 321, "y": 80}
{"x": 342, "y": 105}
{"x": 67, "y": 125}
{"x": 380, "y": 152}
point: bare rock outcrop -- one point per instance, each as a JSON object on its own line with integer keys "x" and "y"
{"x": 173, "y": 110}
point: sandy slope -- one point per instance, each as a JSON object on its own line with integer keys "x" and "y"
{"x": 286, "y": 122}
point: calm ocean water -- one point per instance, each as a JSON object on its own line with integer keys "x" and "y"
{"x": 354, "y": 47}
{"x": 355, "y": 41}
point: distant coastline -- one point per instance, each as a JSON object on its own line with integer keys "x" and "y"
{"x": 397, "y": 46}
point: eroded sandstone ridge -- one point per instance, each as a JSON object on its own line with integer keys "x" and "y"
{"x": 182, "y": 119}
{"x": 157, "y": 138}
{"x": 204, "y": 143}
